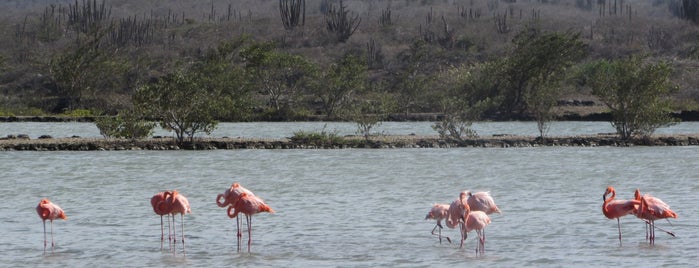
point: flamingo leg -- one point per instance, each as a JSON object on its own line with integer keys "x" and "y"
{"x": 162, "y": 232}
{"x": 618, "y": 224}
{"x": 44, "y": 236}
{"x": 174, "y": 235}
{"x": 483, "y": 242}
{"x": 652, "y": 232}
{"x": 249, "y": 219}
{"x": 183, "y": 247}
{"x": 463, "y": 235}
{"x": 52, "y": 243}
{"x": 169, "y": 232}
{"x": 238, "y": 222}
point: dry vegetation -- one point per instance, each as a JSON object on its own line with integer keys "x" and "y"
{"x": 459, "y": 32}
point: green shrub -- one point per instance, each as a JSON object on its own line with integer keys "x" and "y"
{"x": 317, "y": 138}
{"x": 125, "y": 125}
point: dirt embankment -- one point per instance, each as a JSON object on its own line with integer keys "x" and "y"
{"x": 380, "y": 142}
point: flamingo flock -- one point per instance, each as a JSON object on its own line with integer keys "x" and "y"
{"x": 242, "y": 200}
{"x": 469, "y": 212}
{"x": 171, "y": 203}
{"x": 645, "y": 207}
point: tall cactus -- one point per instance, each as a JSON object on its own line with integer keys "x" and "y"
{"x": 293, "y": 13}
{"x": 341, "y": 23}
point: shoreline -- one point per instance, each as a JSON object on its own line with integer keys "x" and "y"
{"x": 348, "y": 142}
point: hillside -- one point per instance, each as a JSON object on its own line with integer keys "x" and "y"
{"x": 144, "y": 40}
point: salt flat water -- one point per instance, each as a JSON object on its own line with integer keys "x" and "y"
{"x": 349, "y": 207}
{"x": 287, "y": 129}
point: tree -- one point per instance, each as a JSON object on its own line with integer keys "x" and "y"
{"x": 339, "y": 82}
{"x": 636, "y": 92}
{"x": 534, "y": 69}
{"x": 280, "y": 75}
{"x": 414, "y": 80}
{"x": 85, "y": 71}
{"x": 180, "y": 103}
{"x": 217, "y": 72}
{"x": 461, "y": 99}
{"x": 127, "y": 124}
{"x": 369, "y": 110}
{"x": 556, "y": 52}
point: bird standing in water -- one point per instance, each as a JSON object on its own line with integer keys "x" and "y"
{"x": 438, "y": 212}
{"x": 49, "y": 211}
{"x": 248, "y": 205}
{"x": 615, "y": 209}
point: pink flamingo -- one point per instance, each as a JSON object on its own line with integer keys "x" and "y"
{"x": 439, "y": 212}
{"x": 248, "y": 205}
{"x": 615, "y": 209}
{"x": 177, "y": 203}
{"x": 230, "y": 196}
{"x": 456, "y": 214}
{"x": 651, "y": 209}
{"x": 49, "y": 211}
{"x": 160, "y": 208}
{"x": 482, "y": 201}
{"x": 475, "y": 220}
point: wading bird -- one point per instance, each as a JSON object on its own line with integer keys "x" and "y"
{"x": 615, "y": 209}
{"x": 482, "y": 201}
{"x": 457, "y": 214}
{"x": 160, "y": 208}
{"x": 475, "y": 220}
{"x": 248, "y": 205}
{"x": 49, "y": 211}
{"x": 438, "y": 213}
{"x": 230, "y": 196}
{"x": 176, "y": 203}
{"x": 652, "y": 208}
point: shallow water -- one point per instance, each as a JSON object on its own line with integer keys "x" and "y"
{"x": 349, "y": 207}
{"x": 287, "y": 129}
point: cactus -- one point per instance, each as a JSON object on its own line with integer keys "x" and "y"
{"x": 341, "y": 23}
{"x": 293, "y": 13}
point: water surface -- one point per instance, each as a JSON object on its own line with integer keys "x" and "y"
{"x": 350, "y": 207}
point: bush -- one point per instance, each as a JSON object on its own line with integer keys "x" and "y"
{"x": 317, "y": 138}
{"x": 125, "y": 125}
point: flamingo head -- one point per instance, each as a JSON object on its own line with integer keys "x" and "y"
{"x": 610, "y": 190}
{"x": 637, "y": 194}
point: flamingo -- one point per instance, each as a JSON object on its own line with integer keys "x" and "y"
{"x": 652, "y": 208}
{"x": 482, "y": 201}
{"x": 475, "y": 220}
{"x": 49, "y": 211}
{"x": 248, "y": 205}
{"x": 230, "y": 196}
{"x": 159, "y": 207}
{"x": 615, "y": 209}
{"x": 177, "y": 203}
{"x": 456, "y": 214}
{"x": 439, "y": 212}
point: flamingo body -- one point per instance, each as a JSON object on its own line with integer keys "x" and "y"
{"x": 160, "y": 208}
{"x": 49, "y": 211}
{"x": 438, "y": 212}
{"x": 248, "y": 205}
{"x": 476, "y": 220}
{"x": 615, "y": 209}
{"x": 482, "y": 201}
{"x": 177, "y": 203}
{"x": 652, "y": 208}
{"x": 231, "y": 195}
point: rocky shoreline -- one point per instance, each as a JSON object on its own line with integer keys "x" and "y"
{"x": 379, "y": 142}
